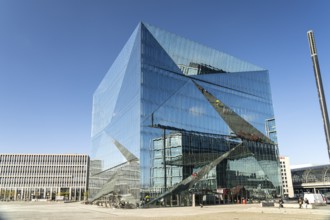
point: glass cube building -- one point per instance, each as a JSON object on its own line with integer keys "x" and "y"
{"x": 182, "y": 116}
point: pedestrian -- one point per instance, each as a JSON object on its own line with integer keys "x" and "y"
{"x": 300, "y": 201}
{"x": 306, "y": 202}
{"x": 147, "y": 200}
{"x": 280, "y": 203}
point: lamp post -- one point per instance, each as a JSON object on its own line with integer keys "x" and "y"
{"x": 164, "y": 159}
{"x": 319, "y": 85}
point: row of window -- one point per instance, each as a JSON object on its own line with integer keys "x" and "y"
{"x": 170, "y": 171}
{"x": 54, "y": 184}
{"x": 309, "y": 179}
{"x": 43, "y": 159}
{"x": 10, "y": 169}
{"x": 285, "y": 191}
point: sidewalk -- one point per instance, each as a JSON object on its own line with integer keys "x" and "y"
{"x": 77, "y": 211}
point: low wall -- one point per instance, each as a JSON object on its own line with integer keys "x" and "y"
{"x": 296, "y": 206}
{"x": 267, "y": 204}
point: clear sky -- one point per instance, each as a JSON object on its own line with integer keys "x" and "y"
{"x": 53, "y": 55}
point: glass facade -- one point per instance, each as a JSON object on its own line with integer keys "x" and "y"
{"x": 199, "y": 102}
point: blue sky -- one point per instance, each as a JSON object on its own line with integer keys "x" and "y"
{"x": 53, "y": 55}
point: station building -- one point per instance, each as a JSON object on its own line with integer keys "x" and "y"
{"x": 43, "y": 176}
{"x": 171, "y": 111}
{"x": 311, "y": 179}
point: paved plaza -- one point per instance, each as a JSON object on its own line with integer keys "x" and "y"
{"x": 78, "y": 211}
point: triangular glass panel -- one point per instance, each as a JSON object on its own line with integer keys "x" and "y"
{"x": 110, "y": 87}
{"x": 127, "y": 107}
{"x": 185, "y": 52}
{"x": 153, "y": 54}
{"x": 187, "y": 109}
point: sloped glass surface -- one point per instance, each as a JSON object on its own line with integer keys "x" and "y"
{"x": 153, "y": 54}
{"x": 116, "y": 105}
{"x": 127, "y": 109}
{"x": 247, "y": 94}
{"x": 187, "y": 109}
{"x": 106, "y": 95}
{"x": 184, "y": 51}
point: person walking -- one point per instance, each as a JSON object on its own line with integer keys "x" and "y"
{"x": 280, "y": 203}
{"x": 300, "y": 202}
{"x": 306, "y": 202}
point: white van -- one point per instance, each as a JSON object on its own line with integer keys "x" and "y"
{"x": 313, "y": 198}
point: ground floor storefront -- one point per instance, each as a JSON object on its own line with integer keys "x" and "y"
{"x": 42, "y": 193}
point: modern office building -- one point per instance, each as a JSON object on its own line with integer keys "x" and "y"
{"x": 43, "y": 176}
{"x": 311, "y": 179}
{"x": 183, "y": 117}
{"x": 286, "y": 177}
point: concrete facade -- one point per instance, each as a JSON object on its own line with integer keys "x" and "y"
{"x": 43, "y": 176}
{"x": 286, "y": 177}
